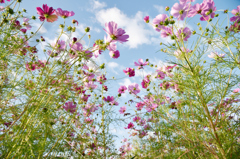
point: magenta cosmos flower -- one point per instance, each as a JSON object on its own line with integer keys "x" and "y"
{"x": 146, "y": 19}
{"x": 116, "y": 34}
{"x": 3, "y": 1}
{"x": 64, "y": 13}
{"x": 235, "y": 12}
{"x": 122, "y": 89}
{"x": 140, "y": 63}
{"x": 129, "y": 71}
{"x": 130, "y": 125}
{"x": 159, "y": 21}
{"x": 47, "y": 13}
{"x": 184, "y": 34}
{"x": 180, "y": 10}
{"x": 114, "y": 54}
{"x": 133, "y": 88}
{"x": 70, "y": 107}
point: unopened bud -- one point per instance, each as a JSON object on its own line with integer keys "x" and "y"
{"x": 87, "y": 29}
{"x": 167, "y": 8}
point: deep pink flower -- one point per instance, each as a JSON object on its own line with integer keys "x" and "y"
{"x": 235, "y": 12}
{"x": 122, "y": 89}
{"x": 130, "y": 125}
{"x": 133, "y": 88}
{"x": 3, "y": 1}
{"x": 136, "y": 119}
{"x": 122, "y": 109}
{"x": 108, "y": 99}
{"x": 184, "y": 34}
{"x": 129, "y": 71}
{"x": 180, "y": 10}
{"x": 47, "y": 13}
{"x": 141, "y": 63}
{"x": 235, "y": 27}
{"x": 101, "y": 79}
{"x": 146, "y": 19}
{"x": 114, "y": 54}
{"x": 23, "y": 30}
{"x": 166, "y": 31}
{"x": 64, "y": 13}
{"x": 140, "y": 105}
{"x": 70, "y": 107}
{"x": 159, "y": 21}
{"x": 116, "y": 34}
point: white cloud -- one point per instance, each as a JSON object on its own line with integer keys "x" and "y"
{"x": 126, "y": 82}
{"x": 135, "y": 27}
{"x": 97, "y": 5}
{"x": 159, "y": 8}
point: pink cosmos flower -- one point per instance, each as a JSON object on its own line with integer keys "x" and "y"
{"x": 180, "y": 53}
{"x": 122, "y": 89}
{"x": 141, "y": 63}
{"x": 64, "y": 13}
{"x": 1, "y": 8}
{"x": 136, "y": 119}
{"x": 23, "y": 30}
{"x": 101, "y": 79}
{"x": 209, "y": 10}
{"x": 58, "y": 47}
{"x": 184, "y": 34}
{"x": 197, "y": 9}
{"x": 235, "y": 27}
{"x": 129, "y": 71}
{"x": 140, "y": 105}
{"x": 26, "y": 23}
{"x": 46, "y": 13}
{"x": 146, "y": 19}
{"x": 130, "y": 125}
{"x": 166, "y": 31}
{"x": 235, "y": 12}
{"x": 108, "y": 99}
{"x": 133, "y": 88}
{"x": 180, "y": 10}
{"x": 70, "y": 107}
{"x": 88, "y": 109}
{"x": 116, "y": 34}
{"x": 159, "y": 22}
{"x": 90, "y": 85}
{"x": 215, "y": 55}
{"x": 236, "y": 90}
{"x": 122, "y": 109}
{"x": 114, "y": 54}
{"x": 3, "y": 1}
{"x": 96, "y": 50}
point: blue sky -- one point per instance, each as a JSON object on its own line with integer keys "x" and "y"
{"x": 143, "y": 42}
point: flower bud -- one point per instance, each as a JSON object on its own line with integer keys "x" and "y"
{"x": 74, "y": 39}
{"x": 61, "y": 26}
{"x": 225, "y": 11}
{"x": 87, "y": 29}
{"x": 33, "y": 17}
{"x": 167, "y": 8}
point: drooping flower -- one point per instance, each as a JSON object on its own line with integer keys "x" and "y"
{"x": 70, "y": 107}
{"x": 215, "y": 55}
{"x": 114, "y": 54}
{"x": 141, "y": 63}
{"x": 129, "y": 71}
{"x": 122, "y": 89}
{"x": 122, "y": 109}
{"x": 26, "y": 23}
{"x": 184, "y": 34}
{"x": 180, "y": 10}
{"x": 116, "y": 34}
{"x": 133, "y": 88}
{"x": 146, "y": 19}
{"x": 159, "y": 21}
{"x": 47, "y": 13}
{"x": 235, "y": 12}
{"x": 64, "y": 13}
{"x": 3, "y": 1}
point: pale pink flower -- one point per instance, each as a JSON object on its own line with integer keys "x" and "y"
{"x": 184, "y": 34}
{"x": 180, "y": 10}
{"x": 26, "y": 23}
{"x": 159, "y": 22}
{"x": 70, "y": 107}
{"x": 64, "y": 13}
{"x": 122, "y": 89}
{"x": 133, "y": 88}
{"x": 235, "y": 12}
{"x": 140, "y": 63}
{"x": 166, "y": 31}
{"x": 122, "y": 109}
{"x": 236, "y": 90}
{"x": 116, "y": 34}
{"x": 215, "y": 55}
